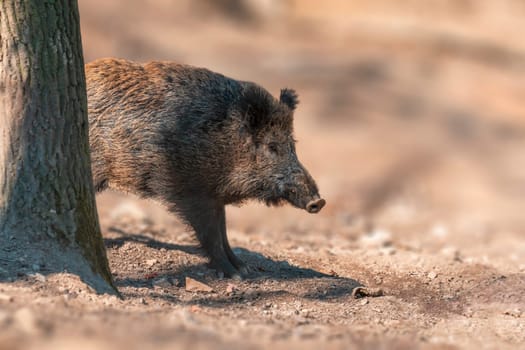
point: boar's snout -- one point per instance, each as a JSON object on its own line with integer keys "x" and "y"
{"x": 302, "y": 191}
{"x": 315, "y": 206}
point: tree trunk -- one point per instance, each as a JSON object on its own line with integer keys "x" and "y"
{"x": 48, "y": 217}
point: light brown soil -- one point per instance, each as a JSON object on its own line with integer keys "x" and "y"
{"x": 412, "y": 120}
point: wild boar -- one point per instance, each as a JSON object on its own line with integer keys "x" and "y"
{"x": 196, "y": 141}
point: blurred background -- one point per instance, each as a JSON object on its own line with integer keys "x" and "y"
{"x": 412, "y": 113}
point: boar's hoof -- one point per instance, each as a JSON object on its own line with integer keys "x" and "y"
{"x": 315, "y": 205}
{"x": 237, "y": 263}
{"x": 226, "y": 269}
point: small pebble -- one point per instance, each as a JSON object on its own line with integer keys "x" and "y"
{"x": 230, "y": 288}
{"x": 162, "y": 283}
{"x": 151, "y": 262}
{"x": 305, "y": 313}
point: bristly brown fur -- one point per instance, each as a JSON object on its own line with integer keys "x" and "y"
{"x": 194, "y": 140}
{"x": 256, "y": 104}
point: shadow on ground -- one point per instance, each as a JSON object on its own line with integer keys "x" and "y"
{"x": 272, "y": 280}
{"x": 147, "y": 241}
{"x": 268, "y": 279}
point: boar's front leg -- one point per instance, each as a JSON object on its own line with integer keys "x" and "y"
{"x": 208, "y": 219}
{"x": 238, "y": 263}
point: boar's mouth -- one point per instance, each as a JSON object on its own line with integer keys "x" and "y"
{"x": 311, "y": 203}
{"x": 300, "y": 194}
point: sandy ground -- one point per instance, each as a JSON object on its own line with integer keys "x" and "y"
{"x": 413, "y": 123}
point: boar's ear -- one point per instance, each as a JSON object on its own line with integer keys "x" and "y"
{"x": 255, "y": 106}
{"x": 289, "y": 97}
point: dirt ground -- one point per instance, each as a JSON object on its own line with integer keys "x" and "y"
{"x": 412, "y": 121}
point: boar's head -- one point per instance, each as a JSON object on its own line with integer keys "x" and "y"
{"x": 267, "y": 166}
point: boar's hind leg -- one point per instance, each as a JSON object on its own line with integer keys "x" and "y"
{"x": 208, "y": 220}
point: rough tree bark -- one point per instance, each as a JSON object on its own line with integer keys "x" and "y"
{"x": 48, "y": 217}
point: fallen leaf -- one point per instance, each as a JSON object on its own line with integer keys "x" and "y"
{"x": 196, "y": 286}
{"x": 361, "y": 292}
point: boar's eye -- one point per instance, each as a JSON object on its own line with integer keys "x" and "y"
{"x": 273, "y": 147}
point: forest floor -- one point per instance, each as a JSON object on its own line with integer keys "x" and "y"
{"x": 299, "y": 294}
{"x": 411, "y": 123}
